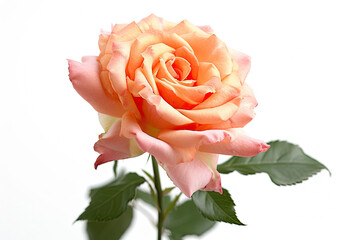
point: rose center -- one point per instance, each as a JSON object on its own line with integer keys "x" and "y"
{"x": 178, "y": 68}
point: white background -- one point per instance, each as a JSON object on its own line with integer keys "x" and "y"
{"x": 305, "y": 74}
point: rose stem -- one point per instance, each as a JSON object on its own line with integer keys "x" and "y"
{"x": 115, "y": 168}
{"x": 159, "y": 194}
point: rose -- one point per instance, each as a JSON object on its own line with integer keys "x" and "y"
{"x": 174, "y": 91}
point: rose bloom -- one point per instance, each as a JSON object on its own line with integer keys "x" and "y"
{"x": 172, "y": 90}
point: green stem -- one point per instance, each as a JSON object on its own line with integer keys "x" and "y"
{"x": 171, "y": 206}
{"x": 159, "y": 194}
{"x": 115, "y": 168}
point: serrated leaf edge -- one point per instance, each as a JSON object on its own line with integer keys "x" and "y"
{"x": 232, "y": 201}
{"x": 213, "y": 219}
{"x": 80, "y": 218}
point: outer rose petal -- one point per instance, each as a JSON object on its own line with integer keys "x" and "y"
{"x": 116, "y": 66}
{"x": 243, "y": 64}
{"x": 85, "y": 78}
{"x": 206, "y": 28}
{"x": 210, "y": 160}
{"x": 246, "y": 111}
{"x": 112, "y": 146}
{"x": 155, "y": 22}
{"x": 195, "y": 175}
{"x": 107, "y": 121}
{"x": 185, "y": 27}
{"x": 242, "y": 145}
{"x": 188, "y": 138}
{"x": 123, "y": 34}
{"x": 162, "y": 151}
{"x": 189, "y": 170}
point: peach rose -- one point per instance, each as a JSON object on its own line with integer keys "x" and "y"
{"x": 174, "y": 91}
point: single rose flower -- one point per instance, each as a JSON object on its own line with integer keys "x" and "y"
{"x": 174, "y": 91}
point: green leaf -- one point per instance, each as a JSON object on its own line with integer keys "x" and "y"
{"x": 168, "y": 190}
{"x": 113, "y": 182}
{"x": 185, "y": 220}
{"x": 174, "y": 237}
{"x": 149, "y": 199}
{"x": 284, "y": 162}
{"x": 145, "y": 197}
{"x": 172, "y": 205}
{"x": 110, "y": 230}
{"x": 216, "y": 206}
{"x": 109, "y": 202}
{"x": 148, "y": 175}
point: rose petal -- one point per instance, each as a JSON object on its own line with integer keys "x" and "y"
{"x": 206, "y": 28}
{"x": 156, "y": 110}
{"x": 243, "y": 63}
{"x": 163, "y": 152}
{"x": 192, "y": 176}
{"x": 210, "y": 160}
{"x": 188, "y": 138}
{"x": 188, "y": 54}
{"x": 209, "y": 75}
{"x": 112, "y": 146}
{"x": 150, "y": 38}
{"x": 129, "y": 32}
{"x": 168, "y": 93}
{"x": 181, "y": 67}
{"x": 185, "y": 27}
{"x": 103, "y": 39}
{"x": 241, "y": 145}
{"x": 230, "y": 89}
{"x": 117, "y": 28}
{"x": 155, "y": 22}
{"x": 107, "y": 121}
{"x": 191, "y": 95}
{"x": 243, "y": 115}
{"x": 165, "y": 70}
{"x": 138, "y": 84}
{"x": 188, "y": 169}
{"x": 151, "y": 57}
{"x": 221, "y": 97}
{"x": 246, "y": 111}
{"x": 211, "y": 49}
{"x": 213, "y": 115}
{"x": 85, "y": 78}
{"x": 116, "y": 68}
